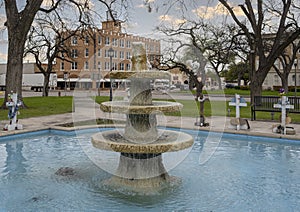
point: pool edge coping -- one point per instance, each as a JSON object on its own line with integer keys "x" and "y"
{"x": 246, "y": 133}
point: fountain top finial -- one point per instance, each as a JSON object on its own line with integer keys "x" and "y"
{"x": 139, "y": 66}
{"x": 139, "y": 57}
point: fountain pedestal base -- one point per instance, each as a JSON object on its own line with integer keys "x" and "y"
{"x": 141, "y": 173}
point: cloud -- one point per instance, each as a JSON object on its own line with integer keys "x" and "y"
{"x": 2, "y": 21}
{"x": 3, "y": 57}
{"x": 171, "y": 19}
{"x": 140, "y": 6}
{"x": 49, "y": 3}
{"x": 129, "y": 26}
{"x": 145, "y": 4}
{"x": 206, "y": 12}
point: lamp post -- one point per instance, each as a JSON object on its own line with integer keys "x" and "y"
{"x": 66, "y": 76}
{"x": 110, "y": 54}
{"x": 295, "y": 66}
{"x": 99, "y": 79}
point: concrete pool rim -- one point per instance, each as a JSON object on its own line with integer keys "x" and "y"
{"x": 73, "y": 131}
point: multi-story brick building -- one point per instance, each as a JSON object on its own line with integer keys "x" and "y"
{"x": 91, "y": 59}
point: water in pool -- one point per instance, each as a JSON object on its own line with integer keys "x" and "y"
{"x": 242, "y": 175}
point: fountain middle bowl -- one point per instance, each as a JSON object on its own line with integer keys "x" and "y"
{"x": 167, "y": 141}
{"x": 127, "y": 108}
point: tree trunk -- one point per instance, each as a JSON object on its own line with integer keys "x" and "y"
{"x": 219, "y": 82}
{"x": 46, "y": 84}
{"x": 18, "y": 24}
{"x": 256, "y": 89}
{"x": 285, "y": 85}
{"x": 14, "y": 70}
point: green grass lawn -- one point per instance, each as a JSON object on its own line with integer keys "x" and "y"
{"x": 242, "y": 92}
{"x": 43, "y": 106}
{"x": 219, "y": 108}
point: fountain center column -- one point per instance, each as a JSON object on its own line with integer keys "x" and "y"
{"x": 141, "y": 128}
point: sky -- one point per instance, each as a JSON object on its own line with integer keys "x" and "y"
{"x": 140, "y": 22}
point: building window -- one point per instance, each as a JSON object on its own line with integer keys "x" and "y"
{"x": 128, "y": 44}
{"x": 114, "y": 66}
{"x": 86, "y": 52}
{"x": 157, "y": 49}
{"x": 74, "y": 53}
{"x": 74, "y": 40}
{"x": 74, "y": 66}
{"x": 128, "y": 56}
{"x": 62, "y": 66}
{"x": 99, "y": 39}
{"x": 99, "y": 52}
{"x": 107, "y": 41}
{"x": 122, "y": 44}
{"x": 128, "y": 66}
{"x": 106, "y": 65}
{"x": 86, "y": 40}
{"x": 115, "y": 42}
{"x": 122, "y": 66}
{"x": 86, "y": 65}
{"x": 121, "y": 55}
{"x": 99, "y": 65}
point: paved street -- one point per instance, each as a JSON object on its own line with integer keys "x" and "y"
{"x": 170, "y": 95}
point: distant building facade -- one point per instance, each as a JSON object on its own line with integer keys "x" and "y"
{"x": 90, "y": 58}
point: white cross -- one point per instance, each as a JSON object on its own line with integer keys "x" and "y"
{"x": 283, "y": 105}
{"x": 13, "y": 103}
{"x": 237, "y": 103}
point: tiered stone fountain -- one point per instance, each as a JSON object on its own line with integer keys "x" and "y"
{"x": 141, "y": 143}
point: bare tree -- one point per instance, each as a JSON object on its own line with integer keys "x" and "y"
{"x": 259, "y": 18}
{"x": 46, "y": 42}
{"x": 18, "y": 23}
{"x": 286, "y": 61}
{"x": 218, "y": 46}
{"x": 190, "y": 61}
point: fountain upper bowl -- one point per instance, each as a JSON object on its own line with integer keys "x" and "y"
{"x": 127, "y": 108}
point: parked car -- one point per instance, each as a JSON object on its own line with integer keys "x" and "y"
{"x": 229, "y": 86}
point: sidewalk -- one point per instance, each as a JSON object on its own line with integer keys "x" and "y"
{"x": 218, "y": 124}
{"x": 86, "y": 109}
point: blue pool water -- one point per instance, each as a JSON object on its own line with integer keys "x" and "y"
{"x": 243, "y": 174}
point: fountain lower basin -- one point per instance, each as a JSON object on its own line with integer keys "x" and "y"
{"x": 141, "y": 168}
